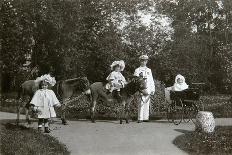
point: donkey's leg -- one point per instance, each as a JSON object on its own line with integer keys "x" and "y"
{"x": 122, "y": 111}
{"x": 94, "y": 102}
{"x": 27, "y": 115}
{"x": 93, "y": 105}
{"x": 27, "y": 108}
{"x": 127, "y": 109}
{"x": 18, "y": 112}
{"x": 127, "y": 113}
{"x": 63, "y": 111}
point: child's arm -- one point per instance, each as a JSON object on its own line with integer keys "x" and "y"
{"x": 55, "y": 101}
{"x": 111, "y": 77}
{"x": 35, "y": 101}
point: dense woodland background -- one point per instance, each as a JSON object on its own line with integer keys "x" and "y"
{"x": 71, "y": 38}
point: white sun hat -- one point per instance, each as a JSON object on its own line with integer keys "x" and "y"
{"x": 180, "y": 86}
{"x": 121, "y": 64}
{"x": 47, "y": 78}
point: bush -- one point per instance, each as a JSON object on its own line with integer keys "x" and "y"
{"x": 194, "y": 143}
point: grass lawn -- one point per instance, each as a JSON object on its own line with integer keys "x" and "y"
{"x": 195, "y": 143}
{"x": 19, "y": 140}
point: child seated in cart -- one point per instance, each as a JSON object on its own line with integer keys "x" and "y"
{"x": 179, "y": 85}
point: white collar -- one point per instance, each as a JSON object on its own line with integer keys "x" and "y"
{"x": 143, "y": 67}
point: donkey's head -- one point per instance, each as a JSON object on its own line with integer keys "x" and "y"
{"x": 136, "y": 84}
{"x": 80, "y": 84}
{"x": 84, "y": 84}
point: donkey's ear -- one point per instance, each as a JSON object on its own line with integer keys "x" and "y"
{"x": 132, "y": 78}
{"x": 85, "y": 78}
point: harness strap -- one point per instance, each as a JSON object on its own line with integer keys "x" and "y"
{"x": 75, "y": 99}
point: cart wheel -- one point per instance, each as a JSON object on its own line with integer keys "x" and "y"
{"x": 169, "y": 113}
{"x": 177, "y": 112}
{"x": 186, "y": 115}
{"x": 193, "y": 110}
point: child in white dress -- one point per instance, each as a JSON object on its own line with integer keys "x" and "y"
{"x": 43, "y": 102}
{"x": 116, "y": 80}
{"x": 179, "y": 85}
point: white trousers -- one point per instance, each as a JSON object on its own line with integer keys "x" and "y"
{"x": 143, "y": 108}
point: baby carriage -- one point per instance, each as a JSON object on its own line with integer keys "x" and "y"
{"x": 183, "y": 105}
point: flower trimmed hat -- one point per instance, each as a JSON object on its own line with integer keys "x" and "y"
{"x": 120, "y": 63}
{"x": 47, "y": 78}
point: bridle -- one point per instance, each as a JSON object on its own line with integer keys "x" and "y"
{"x": 141, "y": 92}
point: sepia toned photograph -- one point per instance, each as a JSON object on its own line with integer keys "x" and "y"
{"x": 116, "y": 77}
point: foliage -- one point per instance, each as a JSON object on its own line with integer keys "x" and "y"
{"x": 77, "y": 38}
{"x": 201, "y": 41}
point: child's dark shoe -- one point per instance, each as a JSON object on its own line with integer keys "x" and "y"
{"x": 64, "y": 122}
{"x": 46, "y": 130}
{"x": 40, "y": 129}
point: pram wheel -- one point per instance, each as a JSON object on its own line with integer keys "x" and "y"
{"x": 169, "y": 113}
{"x": 186, "y": 115}
{"x": 190, "y": 111}
{"x": 177, "y": 112}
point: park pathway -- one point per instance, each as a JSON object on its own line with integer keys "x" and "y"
{"x": 111, "y": 138}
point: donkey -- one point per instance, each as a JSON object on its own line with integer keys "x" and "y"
{"x": 98, "y": 90}
{"x": 63, "y": 89}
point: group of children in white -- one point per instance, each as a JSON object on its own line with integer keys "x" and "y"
{"x": 44, "y": 100}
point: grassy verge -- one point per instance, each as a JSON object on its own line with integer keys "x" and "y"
{"x": 23, "y": 141}
{"x": 195, "y": 143}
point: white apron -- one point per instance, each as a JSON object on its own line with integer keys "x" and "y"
{"x": 143, "y": 107}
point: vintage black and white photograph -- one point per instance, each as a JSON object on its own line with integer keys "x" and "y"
{"x": 116, "y": 77}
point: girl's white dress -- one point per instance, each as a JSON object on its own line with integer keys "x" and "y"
{"x": 45, "y": 100}
{"x": 117, "y": 79}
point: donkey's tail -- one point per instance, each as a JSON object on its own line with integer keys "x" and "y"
{"x": 20, "y": 91}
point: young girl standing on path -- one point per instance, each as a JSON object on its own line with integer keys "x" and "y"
{"x": 44, "y": 100}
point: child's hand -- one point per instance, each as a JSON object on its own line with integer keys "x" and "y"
{"x": 152, "y": 93}
{"x": 58, "y": 105}
{"x": 34, "y": 109}
{"x": 39, "y": 112}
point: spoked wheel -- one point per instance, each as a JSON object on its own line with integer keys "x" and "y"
{"x": 186, "y": 114}
{"x": 193, "y": 110}
{"x": 177, "y": 112}
{"x": 169, "y": 113}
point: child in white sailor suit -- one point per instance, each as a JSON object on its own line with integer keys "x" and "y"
{"x": 115, "y": 79}
{"x": 43, "y": 102}
{"x": 145, "y": 72}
